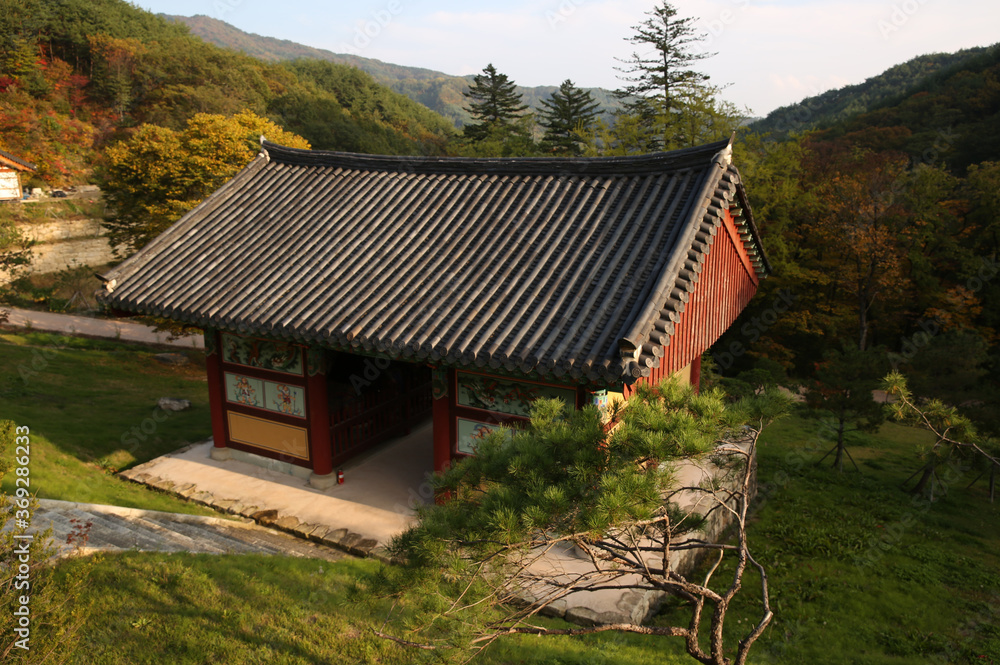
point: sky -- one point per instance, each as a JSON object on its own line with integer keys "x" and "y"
{"x": 769, "y": 53}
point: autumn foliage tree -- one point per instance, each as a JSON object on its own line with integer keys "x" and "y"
{"x": 116, "y": 62}
{"x": 159, "y": 174}
{"x": 859, "y": 228}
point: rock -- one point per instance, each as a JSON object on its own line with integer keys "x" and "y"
{"x": 172, "y": 358}
{"x": 202, "y": 497}
{"x": 171, "y": 404}
{"x": 224, "y": 504}
{"x": 304, "y": 529}
{"x": 319, "y": 533}
{"x": 236, "y": 509}
{"x": 350, "y": 540}
{"x": 265, "y": 516}
{"x": 162, "y": 484}
{"x": 364, "y": 547}
{"x": 287, "y": 523}
{"x": 248, "y": 511}
{"x": 333, "y": 537}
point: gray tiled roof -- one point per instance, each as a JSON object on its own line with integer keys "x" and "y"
{"x": 526, "y": 265}
{"x": 17, "y": 161}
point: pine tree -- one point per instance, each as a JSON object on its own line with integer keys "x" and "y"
{"x": 843, "y": 391}
{"x": 494, "y": 103}
{"x": 602, "y": 485}
{"x": 568, "y": 111}
{"x": 660, "y": 85}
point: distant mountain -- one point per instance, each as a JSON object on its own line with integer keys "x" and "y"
{"x": 436, "y": 90}
{"x": 838, "y": 105}
{"x": 950, "y": 117}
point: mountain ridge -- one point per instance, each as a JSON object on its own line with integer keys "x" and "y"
{"x": 438, "y": 91}
{"x": 891, "y": 86}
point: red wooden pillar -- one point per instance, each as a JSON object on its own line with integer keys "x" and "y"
{"x": 696, "y": 374}
{"x": 443, "y": 389}
{"x": 320, "y": 450}
{"x": 318, "y": 411}
{"x": 216, "y": 387}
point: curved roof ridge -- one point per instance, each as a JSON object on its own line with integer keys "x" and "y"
{"x": 675, "y": 160}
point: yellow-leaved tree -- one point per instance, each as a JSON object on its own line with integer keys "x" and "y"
{"x": 158, "y": 174}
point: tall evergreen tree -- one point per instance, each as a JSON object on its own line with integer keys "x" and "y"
{"x": 494, "y": 103}
{"x": 660, "y": 84}
{"x": 568, "y": 111}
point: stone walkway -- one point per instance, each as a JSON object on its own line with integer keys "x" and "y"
{"x": 115, "y": 529}
{"x": 87, "y": 326}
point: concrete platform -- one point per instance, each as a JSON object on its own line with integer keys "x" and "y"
{"x": 376, "y": 501}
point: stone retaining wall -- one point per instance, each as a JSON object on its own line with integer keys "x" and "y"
{"x": 61, "y": 244}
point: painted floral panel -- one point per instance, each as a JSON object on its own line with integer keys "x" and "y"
{"x": 470, "y": 433}
{"x": 244, "y": 390}
{"x": 290, "y": 400}
{"x": 277, "y": 397}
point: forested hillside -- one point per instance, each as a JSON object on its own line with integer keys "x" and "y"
{"x": 952, "y": 115}
{"x": 832, "y": 106}
{"x": 883, "y": 230}
{"x": 436, "y": 90}
{"x": 78, "y": 75}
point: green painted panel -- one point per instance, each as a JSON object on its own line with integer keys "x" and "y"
{"x": 262, "y": 353}
{"x": 506, "y": 396}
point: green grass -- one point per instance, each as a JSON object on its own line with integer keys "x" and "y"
{"x": 187, "y": 609}
{"x": 91, "y": 409}
{"x": 860, "y": 572}
{"x": 863, "y": 572}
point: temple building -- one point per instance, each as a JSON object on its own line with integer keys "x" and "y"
{"x": 345, "y": 298}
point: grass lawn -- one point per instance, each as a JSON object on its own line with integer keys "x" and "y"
{"x": 860, "y": 571}
{"x": 91, "y": 406}
{"x": 182, "y": 608}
